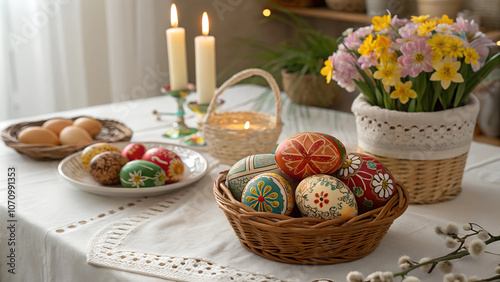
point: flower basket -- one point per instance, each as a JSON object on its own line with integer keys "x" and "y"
{"x": 310, "y": 91}
{"x": 230, "y": 143}
{"x": 426, "y": 151}
{"x": 112, "y": 131}
{"x": 304, "y": 240}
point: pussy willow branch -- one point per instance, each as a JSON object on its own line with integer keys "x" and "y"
{"x": 451, "y": 256}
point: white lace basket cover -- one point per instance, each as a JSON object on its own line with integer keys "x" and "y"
{"x": 415, "y": 136}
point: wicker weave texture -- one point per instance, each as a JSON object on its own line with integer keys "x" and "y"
{"x": 112, "y": 131}
{"x": 352, "y": 6}
{"x": 427, "y": 181}
{"x": 304, "y": 240}
{"x": 229, "y": 144}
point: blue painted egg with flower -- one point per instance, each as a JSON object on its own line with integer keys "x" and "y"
{"x": 269, "y": 192}
{"x": 249, "y": 167}
{"x": 325, "y": 196}
{"x": 142, "y": 174}
{"x": 370, "y": 181}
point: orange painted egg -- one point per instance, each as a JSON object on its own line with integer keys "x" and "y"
{"x": 370, "y": 181}
{"x": 168, "y": 160}
{"x": 134, "y": 151}
{"x": 309, "y": 153}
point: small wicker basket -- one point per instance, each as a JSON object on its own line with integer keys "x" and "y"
{"x": 229, "y": 144}
{"x": 304, "y": 240}
{"x": 112, "y": 131}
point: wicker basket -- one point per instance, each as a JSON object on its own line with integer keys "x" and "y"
{"x": 112, "y": 131}
{"x": 351, "y": 6}
{"x": 304, "y": 240}
{"x": 299, "y": 3}
{"x": 230, "y": 145}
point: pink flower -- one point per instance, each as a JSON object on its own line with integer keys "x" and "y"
{"x": 464, "y": 25}
{"x": 345, "y": 62}
{"x": 417, "y": 57}
{"x": 481, "y": 45}
{"x": 368, "y": 61}
{"x": 355, "y": 39}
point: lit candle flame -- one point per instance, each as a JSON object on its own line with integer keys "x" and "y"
{"x": 247, "y": 125}
{"x": 266, "y": 12}
{"x": 204, "y": 24}
{"x": 173, "y": 16}
{"x": 498, "y": 43}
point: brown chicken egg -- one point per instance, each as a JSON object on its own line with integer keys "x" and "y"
{"x": 92, "y": 126}
{"x": 37, "y": 135}
{"x": 74, "y": 135}
{"x": 57, "y": 124}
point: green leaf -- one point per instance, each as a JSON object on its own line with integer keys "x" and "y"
{"x": 413, "y": 105}
{"x": 366, "y": 90}
{"x": 474, "y": 79}
{"x": 438, "y": 89}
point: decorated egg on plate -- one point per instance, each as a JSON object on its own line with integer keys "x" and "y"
{"x": 268, "y": 192}
{"x": 308, "y": 153}
{"x": 92, "y": 150}
{"x": 168, "y": 160}
{"x": 369, "y": 180}
{"x": 142, "y": 174}
{"x": 134, "y": 151}
{"x": 247, "y": 168}
{"x": 325, "y": 196}
{"x": 105, "y": 167}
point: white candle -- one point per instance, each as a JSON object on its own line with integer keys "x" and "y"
{"x": 204, "y": 49}
{"x": 176, "y": 48}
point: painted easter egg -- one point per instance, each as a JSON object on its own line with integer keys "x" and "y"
{"x": 92, "y": 150}
{"x": 268, "y": 192}
{"x": 134, "y": 151}
{"x": 105, "y": 167}
{"x": 142, "y": 174}
{"x": 169, "y": 161}
{"x": 308, "y": 153}
{"x": 325, "y": 196}
{"x": 247, "y": 168}
{"x": 369, "y": 180}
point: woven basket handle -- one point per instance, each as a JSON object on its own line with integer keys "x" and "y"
{"x": 246, "y": 74}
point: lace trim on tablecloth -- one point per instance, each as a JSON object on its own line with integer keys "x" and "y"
{"x": 103, "y": 251}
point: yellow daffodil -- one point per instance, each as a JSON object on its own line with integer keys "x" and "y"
{"x": 382, "y": 22}
{"x": 438, "y": 44}
{"x": 403, "y": 92}
{"x": 426, "y": 28}
{"x": 446, "y": 72}
{"x": 368, "y": 46}
{"x": 445, "y": 20}
{"x": 327, "y": 70}
{"x": 419, "y": 19}
{"x": 388, "y": 73}
{"x": 471, "y": 56}
{"x": 455, "y": 48}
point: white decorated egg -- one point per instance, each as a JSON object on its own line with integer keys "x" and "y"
{"x": 247, "y": 168}
{"x": 325, "y": 196}
{"x": 269, "y": 192}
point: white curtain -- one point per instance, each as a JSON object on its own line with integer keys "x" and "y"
{"x": 63, "y": 54}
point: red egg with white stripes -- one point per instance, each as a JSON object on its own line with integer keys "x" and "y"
{"x": 168, "y": 160}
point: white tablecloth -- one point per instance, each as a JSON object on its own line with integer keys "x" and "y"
{"x": 65, "y": 234}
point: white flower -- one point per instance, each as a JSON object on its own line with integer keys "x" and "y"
{"x": 383, "y": 185}
{"x": 450, "y": 277}
{"x": 136, "y": 178}
{"x": 476, "y": 247}
{"x": 473, "y": 279}
{"x": 411, "y": 279}
{"x": 467, "y": 227}
{"x": 355, "y": 276}
{"x": 445, "y": 266}
{"x": 350, "y": 165}
{"x": 425, "y": 268}
{"x": 497, "y": 269}
{"x": 483, "y": 235}
{"x": 450, "y": 243}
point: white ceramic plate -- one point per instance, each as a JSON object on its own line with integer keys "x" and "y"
{"x": 195, "y": 167}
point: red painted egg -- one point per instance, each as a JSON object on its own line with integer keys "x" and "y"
{"x": 309, "y": 153}
{"x": 369, "y": 180}
{"x": 134, "y": 151}
{"x": 168, "y": 160}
